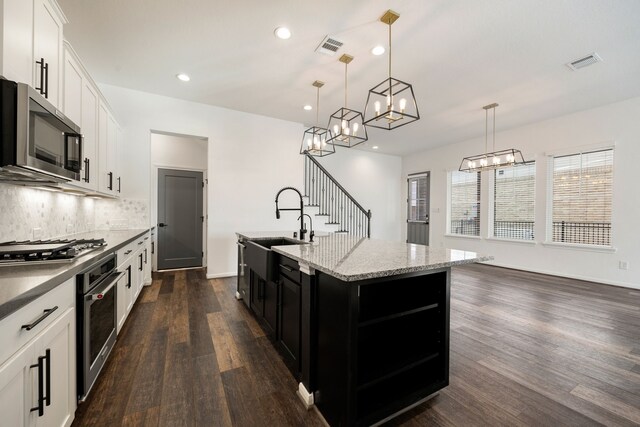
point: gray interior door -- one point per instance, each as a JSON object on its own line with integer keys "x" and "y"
{"x": 418, "y": 209}
{"x": 180, "y": 219}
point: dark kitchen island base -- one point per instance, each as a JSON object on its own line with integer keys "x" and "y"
{"x": 382, "y": 345}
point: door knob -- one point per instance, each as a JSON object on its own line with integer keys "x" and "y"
{"x": 162, "y": 224}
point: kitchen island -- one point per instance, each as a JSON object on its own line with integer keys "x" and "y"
{"x": 369, "y": 319}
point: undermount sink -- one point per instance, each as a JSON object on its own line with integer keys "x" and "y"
{"x": 281, "y": 241}
{"x": 260, "y": 257}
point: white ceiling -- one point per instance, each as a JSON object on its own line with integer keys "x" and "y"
{"x": 458, "y": 54}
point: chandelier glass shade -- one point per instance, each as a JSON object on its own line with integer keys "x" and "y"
{"x": 491, "y": 159}
{"x": 392, "y": 103}
{"x": 315, "y": 140}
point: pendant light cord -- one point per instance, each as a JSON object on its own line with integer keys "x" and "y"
{"x": 389, "y": 48}
{"x": 494, "y": 129}
{"x": 317, "y": 105}
{"x": 345, "y": 85}
{"x": 486, "y": 130}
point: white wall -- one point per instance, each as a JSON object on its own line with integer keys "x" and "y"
{"x": 374, "y": 180}
{"x": 250, "y": 157}
{"x": 612, "y": 123}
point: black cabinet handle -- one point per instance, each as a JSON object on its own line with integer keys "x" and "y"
{"x": 129, "y": 277}
{"x": 45, "y": 314}
{"x": 110, "y": 186}
{"x": 47, "y": 356}
{"x": 162, "y": 224}
{"x": 119, "y": 182}
{"x": 46, "y": 80}
{"x": 286, "y": 267}
{"x": 140, "y": 268}
{"x": 86, "y": 170}
{"x": 41, "y": 88}
{"x": 153, "y": 248}
{"x": 40, "y": 366}
{"x": 128, "y": 252}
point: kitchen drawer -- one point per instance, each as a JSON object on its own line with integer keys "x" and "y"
{"x": 289, "y": 268}
{"x": 127, "y": 252}
{"x": 13, "y": 336}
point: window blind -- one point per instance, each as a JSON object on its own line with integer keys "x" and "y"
{"x": 582, "y": 188}
{"x": 514, "y": 202}
{"x": 418, "y": 191}
{"x": 464, "y": 203}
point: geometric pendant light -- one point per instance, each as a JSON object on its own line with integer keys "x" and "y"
{"x": 391, "y": 103}
{"x": 494, "y": 159}
{"x": 315, "y": 140}
{"x": 346, "y": 124}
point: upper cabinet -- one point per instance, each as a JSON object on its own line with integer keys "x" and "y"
{"x": 33, "y": 51}
{"x": 32, "y": 45}
{"x": 47, "y": 49}
{"x": 16, "y": 60}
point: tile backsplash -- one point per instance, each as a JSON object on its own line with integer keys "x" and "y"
{"x": 27, "y": 213}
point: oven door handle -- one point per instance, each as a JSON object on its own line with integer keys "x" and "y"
{"x": 98, "y": 295}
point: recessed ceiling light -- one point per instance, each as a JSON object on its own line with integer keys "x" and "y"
{"x": 183, "y": 77}
{"x": 282, "y": 33}
{"x": 375, "y": 147}
{"x": 308, "y": 107}
{"x": 378, "y": 50}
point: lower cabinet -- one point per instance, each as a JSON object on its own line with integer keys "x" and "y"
{"x": 125, "y": 293}
{"x": 289, "y": 333}
{"x": 38, "y": 383}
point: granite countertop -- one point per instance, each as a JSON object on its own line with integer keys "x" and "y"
{"x": 22, "y": 284}
{"x": 350, "y": 258}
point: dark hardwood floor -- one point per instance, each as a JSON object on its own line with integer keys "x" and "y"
{"x": 526, "y": 349}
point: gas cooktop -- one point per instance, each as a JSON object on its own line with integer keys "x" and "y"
{"x": 46, "y": 251}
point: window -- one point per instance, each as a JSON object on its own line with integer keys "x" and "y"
{"x": 514, "y": 202}
{"x": 464, "y": 203}
{"x": 582, "y": 185}
{"x": 418, "y": 190}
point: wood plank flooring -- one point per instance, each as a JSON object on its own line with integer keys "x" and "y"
{"x": 526, "y": 350}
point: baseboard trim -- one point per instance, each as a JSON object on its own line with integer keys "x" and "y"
{"x": 305, "y": 396}
{"x": 221, "y": 275}
{"x": 568, "y": 276}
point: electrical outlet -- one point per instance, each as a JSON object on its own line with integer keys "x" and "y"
{"x": 623, "y": 265}
{"x": 37, "y": 233}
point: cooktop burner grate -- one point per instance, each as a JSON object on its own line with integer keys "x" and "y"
{"x": 46, "y": 251}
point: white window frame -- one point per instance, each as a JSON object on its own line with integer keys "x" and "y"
{"x": 448, "y": 219}
{"x": 548, "y": 241}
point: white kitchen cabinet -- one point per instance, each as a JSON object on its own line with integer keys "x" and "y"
{"x": 107, "y": 152}
{"x": 89, "y": 128}
{"x": 125, "y": 292}
{"x": 16, "y": 57}
{"x": 48, "y": 21}
{"x": 73, "y": 77}
{"x": 147, "y": 279}
{"x": 80, "y": 103}
{"x": 19, "y": 385}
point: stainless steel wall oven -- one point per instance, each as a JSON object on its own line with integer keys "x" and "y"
{"x": 97, "y": 320}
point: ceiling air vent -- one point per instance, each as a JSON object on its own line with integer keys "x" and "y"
{"x": 329, "y": 46}
{"x": 584, "y": 62}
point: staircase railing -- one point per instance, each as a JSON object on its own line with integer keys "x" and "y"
{"x": 333, "y": 201}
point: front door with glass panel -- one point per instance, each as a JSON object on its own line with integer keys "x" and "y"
{"x": 418, "y": 209}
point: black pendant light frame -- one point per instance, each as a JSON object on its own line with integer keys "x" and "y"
{"x": 315, "y": 140}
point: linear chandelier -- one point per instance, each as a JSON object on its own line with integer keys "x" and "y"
{"x": 315, "y": 140}
{"x": 494, "y": 159}
{"x": 391, "y": 103}
{"x": 347, "y": 124}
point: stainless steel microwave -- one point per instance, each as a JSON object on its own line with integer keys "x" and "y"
{"x": 39, "y": 145}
